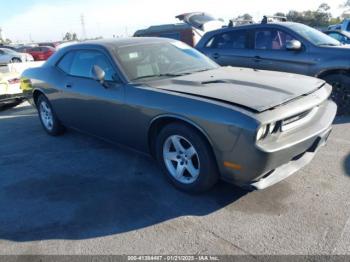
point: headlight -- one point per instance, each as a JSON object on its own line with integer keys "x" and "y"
{"x": 272, "y": 127}
{"x": 261, "y": 132}
{"x": 265, "y": 130}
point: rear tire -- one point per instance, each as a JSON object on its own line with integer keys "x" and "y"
{"x": 48, "y": 118}
{"x": 186, "y": 158}
{"x": 341, "y": 91}
{"x": 16, "y": 60}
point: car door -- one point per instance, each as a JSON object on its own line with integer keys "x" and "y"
{"x": 4, "y": 57}
{"x": 35, "y": 52}
{"x": 87, "y": 104}
{"x": 270, "y": 52}
{"x": 230, "y": 48}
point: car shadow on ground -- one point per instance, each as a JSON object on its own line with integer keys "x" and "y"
{"x": 77, "y": 187}
{"x": 347, "y": 165}
{"x": 4, "y": 107}
{"x": 342, "y": 120}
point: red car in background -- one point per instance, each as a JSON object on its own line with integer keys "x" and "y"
{"x": 41, "y": 53}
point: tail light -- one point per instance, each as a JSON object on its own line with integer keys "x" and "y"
{"x": 14, "y": 81}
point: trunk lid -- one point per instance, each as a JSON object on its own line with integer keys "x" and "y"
{"x": 202, "y": 21}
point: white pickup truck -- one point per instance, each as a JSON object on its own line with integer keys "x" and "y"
{"x": 343, "y": 26}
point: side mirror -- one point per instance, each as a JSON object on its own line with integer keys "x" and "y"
{"x": 98, "y": 74}
{"x": 293, "y": 45}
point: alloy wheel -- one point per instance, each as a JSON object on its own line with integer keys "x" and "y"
{"x": 181, "y": 159}
{"x": 46, "y": 115}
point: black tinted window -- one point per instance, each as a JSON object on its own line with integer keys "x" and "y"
{"x": 271, "y": 39}
{"x": 229, "y": 40}
{"x": 337, "y": 36}
{"x": 66, "y": 62}
{"x": 84, "y": 60}
{"x": 36, "y": 49}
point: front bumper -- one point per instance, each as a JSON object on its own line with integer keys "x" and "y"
{"x": 274, "y": 159}
{"x": 293, "y": 166}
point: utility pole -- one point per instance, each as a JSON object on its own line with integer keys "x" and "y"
{"x": 83, "y": 29}
{"x": 0, "y": 34}
{"x": 126, "y": 32}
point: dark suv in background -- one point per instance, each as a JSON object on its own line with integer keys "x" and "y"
{"x": 283, "y": 46}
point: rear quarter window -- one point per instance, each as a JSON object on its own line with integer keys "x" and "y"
{"x": 66, "y": 62}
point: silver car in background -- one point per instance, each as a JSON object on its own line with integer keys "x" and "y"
{"x": 8, "y": 56}
{"x": 202, "y": 122}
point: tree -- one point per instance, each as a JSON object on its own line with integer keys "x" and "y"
{"x": 5, "y": 41}
{"x": 324, "y": 8}
{"x": 319, "y": 18}
{"x": 70, "y": 36}
{"x": 74, "y": 37}
{"x": 67, "y": 36}
{"x": 347, "y": 3}
{"x": 241, "y": 20}
{"x": 246, "y": 17}
{"x": 280, "y": 14}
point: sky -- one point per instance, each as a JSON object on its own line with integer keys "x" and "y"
{"x": 44, "y": 20}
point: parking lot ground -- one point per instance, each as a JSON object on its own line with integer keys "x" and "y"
{"x": 78, "y": 195}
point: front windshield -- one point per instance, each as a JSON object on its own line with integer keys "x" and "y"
{"x": 314, "y": 36}
{"x": 158, "y": 60}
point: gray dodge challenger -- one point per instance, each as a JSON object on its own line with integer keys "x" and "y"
{"x": 200, "y": 121}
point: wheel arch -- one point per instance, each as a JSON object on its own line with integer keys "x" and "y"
{"x": 36, "y": 94}
{"x": 161, "y": 121}
{"x": 335, "y": 71}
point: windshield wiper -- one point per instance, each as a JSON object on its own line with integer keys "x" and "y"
{"x": 157, "y": 75}
{"x": 198, "y": 71}
{"x": 328, "y": 44}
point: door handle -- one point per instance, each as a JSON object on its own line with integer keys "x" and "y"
{"x": 216, "y": 56}
{"x": 68, "y": 85}
{"x": 257, "y": 59}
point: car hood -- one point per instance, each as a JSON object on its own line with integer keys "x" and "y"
{"x": 252, "y": 89}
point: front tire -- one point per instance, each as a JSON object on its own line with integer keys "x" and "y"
{"x": 341, "y": 91}
{"x": 186, "y": 158}
{"x": 47, "y": 117}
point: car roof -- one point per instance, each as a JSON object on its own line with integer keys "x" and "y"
{"x": 120, "y": 42}
{"x": 107, "y": 44}
{"x": 256, "y": 25}
{"x": 7, "y": 50}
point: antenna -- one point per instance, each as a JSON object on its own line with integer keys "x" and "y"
{"x": 82, "y": 20}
